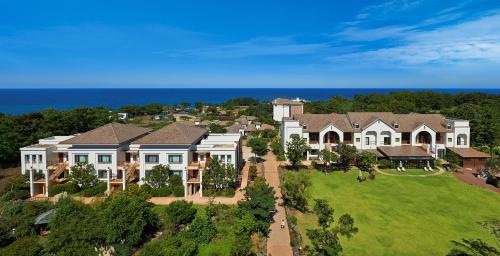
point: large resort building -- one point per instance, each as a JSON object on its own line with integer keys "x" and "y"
{"x": 410, "y": 140}
{"x": 123, "y": 153}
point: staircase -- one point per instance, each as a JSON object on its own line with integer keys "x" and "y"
{"x": 61, "y": 167}
{"x": 131, "y": 171}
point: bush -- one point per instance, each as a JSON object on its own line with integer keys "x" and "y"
{"x": 371, "y": 176}
{"x": 158, "y": 192}
{"x": 27, "y": 246}
{"x": 68, "y": 187}
{"x": 252, "y": 172}
{"x": 384, "y": 164}
{"x": 16, "y": 195}
{"x": 97, "y": 190}
{"x": 293, "y": 220}
{"x": 178, "y": 191}
{"x": 493, "y": 181}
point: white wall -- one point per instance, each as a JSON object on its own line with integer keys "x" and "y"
{"x": 280, "y": 111}
{"x": 93, "y": 159}
{"x": 376, "y": 132}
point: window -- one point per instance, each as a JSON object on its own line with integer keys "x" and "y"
{"x": 397, "y": 139}
{"x": 450, "y": 139}
{"x": 102, "y": 174}
{"x": 177, "y": 172}
{"x": 151, "y": 159}
{"x": 81, "y": 158}
{"x": 40, "y": 157}
{"x": 367, "y": 140}
{"x": 356, "y": 125}
{"x": 387, "y": 140}
{"x": 175, "y": 159}
{"x": 396, "y": 125}
{"x": 27, "y": 159}
{"x": 358, "y": 139}
{"x": 104, "y": 159}
{"x": 448, "y": 126}
{"x": 229, "y": 158}
{"x": 33, "y": 159}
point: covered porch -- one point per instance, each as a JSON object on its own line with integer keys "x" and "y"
{"x": 408, "y": 157}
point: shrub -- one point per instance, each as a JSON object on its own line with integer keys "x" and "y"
{"x": 371, "y": 176}
{"x": 180, "y": 213}
{"x": 252, "y": 172}
{"x": 68, "y": 187}
{"x": 163, "y": 191}
{"x": 384, "y": 164}
{"x": 97, "y": 190}
{"x": 16, "y": 195}
{"x": 178, "y": 191}
{"x": 27, "y": 246}
{"x": 293, "y": 220}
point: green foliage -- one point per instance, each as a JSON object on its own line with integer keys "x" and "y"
{"x": 296, "y": 150}
{"x": 278, "y": 150}
{"x": 365, "y": 161}
{"x": 293, "y": 187}
{"x": 75, "y": 229}
{"x": 158, "y": 192}
{"x": 218, "y": 177}
{"x": 201, "y": 230}
{"x": 97, "y": 190}
{"x": 83, "y": 175}
{"x": 260, "y": 203}
{"x": 216, "y": 128}
{"x": 328, "y": 157}
{"x": 453, "y": 158}
{"x": 170, "y": 246}
{"x": 68, "y": 187}
{"x": 158, "y": 176}
{"x": 127, "y": 220}
{"x": 27, "y": 246}
{"x": 472, "y": 248}
{"x": 179, "y": 213}
{"x": 17, "y": 187}
{"x": 258, "y": 145}
{"x": 384, "y": 164}
{"x": 325, "y": 240}
{"x": 178, "y": 191}
{"x": 347, "y": 154}
{"x": 252, "y": 172}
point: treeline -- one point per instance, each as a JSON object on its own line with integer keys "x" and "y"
{"x": 483, "y": 110}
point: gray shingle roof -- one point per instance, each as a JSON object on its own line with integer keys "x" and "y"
{"x": 176, "y": 133}
{"x": 112, "y": 133}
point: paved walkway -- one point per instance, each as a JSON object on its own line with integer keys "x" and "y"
{"x": 469, "y": 178}
{"x": 441, "y": 171}
{"x": 278, "y": 242}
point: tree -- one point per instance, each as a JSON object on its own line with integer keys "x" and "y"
{"x": 365, "y": 161}
{"x": 127, "y": 219}
{"x": 347, "y": 154}
{"x": 296, "y": 150}
{"x": 83, "y": 175}
{"x": 179, "y": 213}
{"x": 75, "y": 229}
{"x": 216, "y": 128}
{"x": 325, "y": 239}
{"x": 218, "y": 176}
{"x": 328, "y": 157}
{"x": 293, "y": 186}
{"x": 472, "y": 248}
{"x": 199, "y": 106}
{"x": 27, "y": 246}
{"x": 259, "y": 146}
{"x": 202, "y": 230}
{"x": 260, "y": 202}
{"x": 159, "y": 176}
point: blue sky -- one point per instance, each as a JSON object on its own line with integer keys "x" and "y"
{"x": 413, "y": 43}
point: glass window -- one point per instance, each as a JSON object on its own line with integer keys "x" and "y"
{"x": 450, "y": 139}
{"x": 104, "y": 159}
{"x": 176, "y": 172}
{"x": 152, "y": 159}
{"x": 40, "y": 157}
{"x": 27, "y": 158}
{"x": 33, "y": 159}
{"x": 358, "y": 139}
{"x": 367, "y": 140}
{"x": 81, "y": 158}
{"x": 397, "y": 139}
{"x": 229, "y": 158}
{"x": 175, "y": 159}
{"x": 102, "y": 174}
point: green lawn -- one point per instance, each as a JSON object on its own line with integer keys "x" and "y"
{"x": 404, "y": 215}
{"x": 410, "y": 171}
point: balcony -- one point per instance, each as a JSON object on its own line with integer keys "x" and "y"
{"x": 197, "y": 165}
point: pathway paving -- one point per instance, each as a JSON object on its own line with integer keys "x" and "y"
{"x": 278, "y": 242}
{"x": 467, "y": 177}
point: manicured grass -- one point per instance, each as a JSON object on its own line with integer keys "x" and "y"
{"x": 404, "y": 215}
{"x": 410, "y": 171}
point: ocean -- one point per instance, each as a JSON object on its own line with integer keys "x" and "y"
{"x": 19, "y": 101}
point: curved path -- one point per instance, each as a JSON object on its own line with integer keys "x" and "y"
{"x": 441, "y": 171}
{"x": 278, "y": 241}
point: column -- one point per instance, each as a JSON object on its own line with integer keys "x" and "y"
{"x": 32, "y": 187}
{"x": 201, "y": 182}
{"x": 47, "y": 182}
{"x": 124, "y": 179}
{"x": 108, "y": 181}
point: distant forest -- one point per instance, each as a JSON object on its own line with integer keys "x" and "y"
{"x": 483, "y": 111}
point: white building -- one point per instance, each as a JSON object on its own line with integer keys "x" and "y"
{"x": 396, "y": 136}
{"x": 284, "y": 108}
{"x": 122, "y": 153}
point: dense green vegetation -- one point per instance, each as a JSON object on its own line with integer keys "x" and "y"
{"x": 399, "y": 215}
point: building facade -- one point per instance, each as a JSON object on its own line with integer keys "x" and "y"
{"x": 284, "y": 108}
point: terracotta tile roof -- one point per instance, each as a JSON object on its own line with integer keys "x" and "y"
{"x": 267, "y": 127}
{"x": 316, "y": 122}
{"x": 280, "y": 101}
{"x": 235, "y": 128}
{"x": 403, "y": 151}
{"x": 176, "y": 133}
{"x": 112, "y": 133}
{"x": 407, "y": 122}
{"x": 469, "y": 153}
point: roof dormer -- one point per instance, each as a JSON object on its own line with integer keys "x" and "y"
{"x": 356, "y": 125}
{"x": 395, "y": 125}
